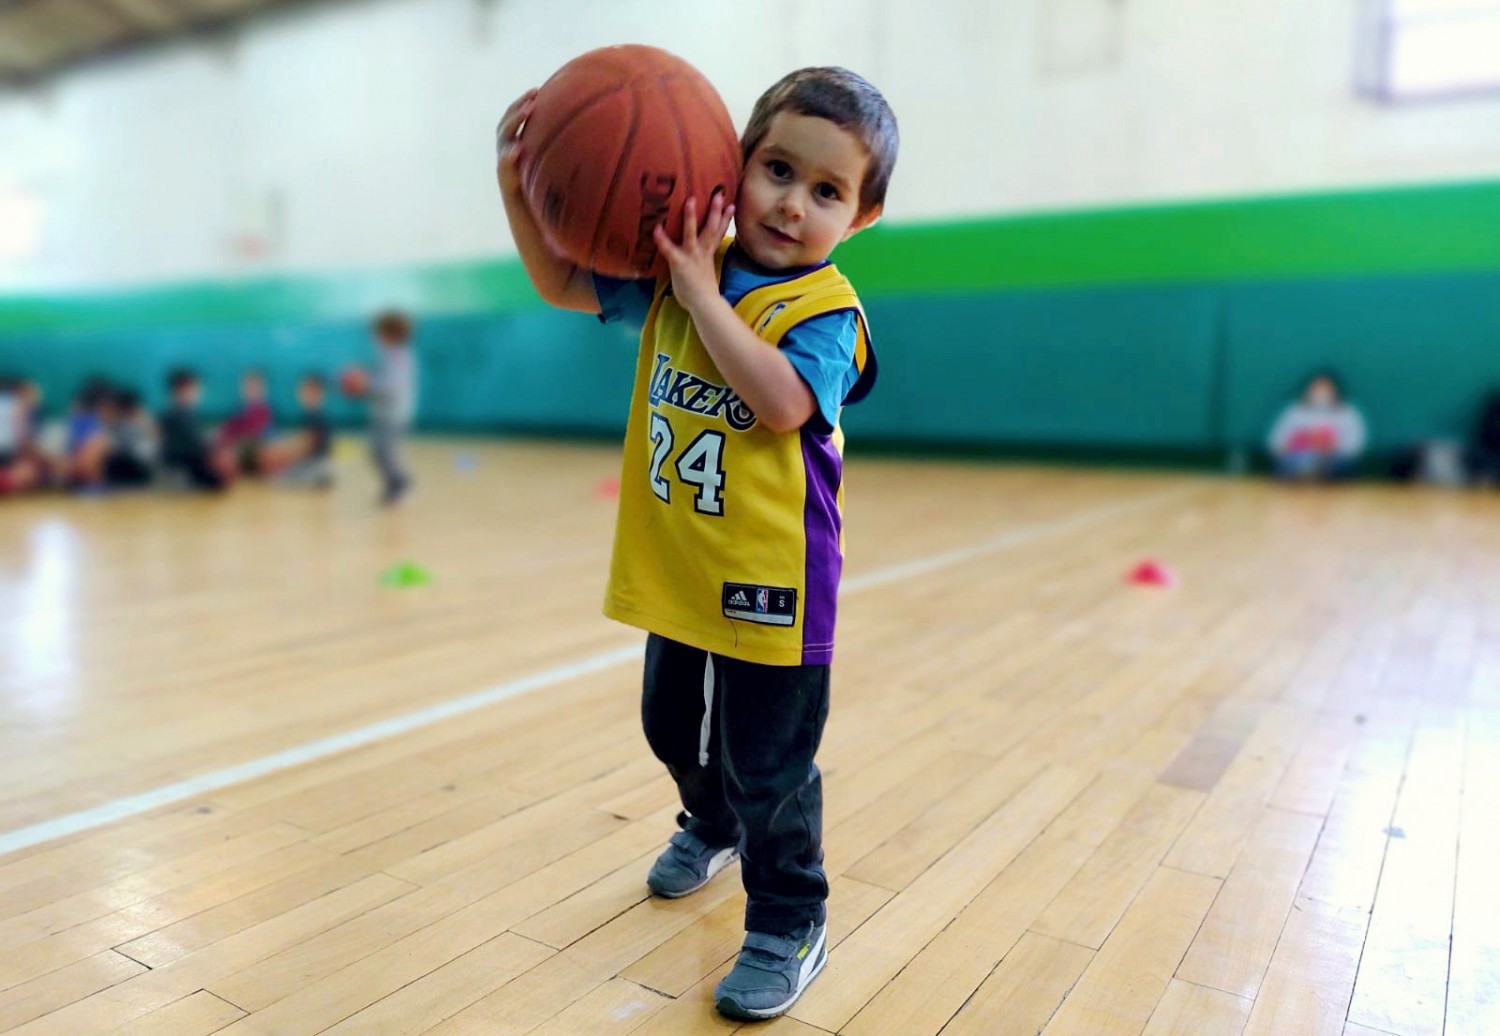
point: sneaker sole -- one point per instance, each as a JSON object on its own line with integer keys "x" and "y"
{"x": 729, "y": 1009}
{"x": 713, "y": 872}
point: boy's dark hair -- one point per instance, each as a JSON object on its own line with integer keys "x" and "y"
{"x": 393, "y": 326}
{"x": 181, "y": 378}
{"x": 1325, "y": 374}
{"x": 844, "y": 99}
{"x": 313, "y": 380}
{"x": 94, "y": 394}
{"x": 127, "y": 400}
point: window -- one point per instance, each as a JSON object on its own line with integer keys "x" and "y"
{"x": 1428, "y": 49}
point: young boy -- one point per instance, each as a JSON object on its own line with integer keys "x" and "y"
{"x": 88, "y": 443}
{"x": 393, "y": 402}
{"x": 132, "y": 436}
{"x": 304, "y": 458}
{"x": 247, "y": 431}
{"x": 17, "y": 473}
{"x": 728, "y": 542}
{"x": 30, "y": 467}
{"x": 185, "y": 447}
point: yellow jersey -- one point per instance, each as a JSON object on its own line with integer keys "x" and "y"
{"x": 729, "y": 536}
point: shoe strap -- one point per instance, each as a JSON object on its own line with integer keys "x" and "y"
{"x": 689, "y": 842}
{"x": 777, "y": 947}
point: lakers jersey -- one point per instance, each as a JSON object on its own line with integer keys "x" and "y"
{"x": 729, "y": 536}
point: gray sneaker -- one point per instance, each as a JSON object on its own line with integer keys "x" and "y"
{"x": 686, "y": 865}
{"x": 771, "y": 973}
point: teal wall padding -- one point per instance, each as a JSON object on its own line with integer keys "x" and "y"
{"x": 1189, "y": 368}
{"x": 537, "y": 369}
{"x": 1417, "y": 353}
{"x": 1083, "y": 367}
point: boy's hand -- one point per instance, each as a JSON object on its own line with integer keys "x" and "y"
{"x": 694, "y": 279}
{"x": 508, "y": 142}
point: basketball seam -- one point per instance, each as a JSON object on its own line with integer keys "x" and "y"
{"x": 602, "y": 224}
{"x": 684, "y": 150}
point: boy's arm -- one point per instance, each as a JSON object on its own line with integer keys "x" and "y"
{"x": 559, "y": 282}
{"x": 757, "y": 371}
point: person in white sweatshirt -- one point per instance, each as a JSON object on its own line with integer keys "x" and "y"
{"x": 1319, "y": 437}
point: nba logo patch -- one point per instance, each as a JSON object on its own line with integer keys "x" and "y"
{"x": 767, "y": 605}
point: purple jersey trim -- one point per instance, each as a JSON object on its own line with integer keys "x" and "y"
{"x": 825, "y": 561}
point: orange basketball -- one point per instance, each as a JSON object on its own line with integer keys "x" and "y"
{"x": 618, "y": 141}
{"x": 354, "y": 382}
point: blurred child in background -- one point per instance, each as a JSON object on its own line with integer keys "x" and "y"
{"x": 17, "y": 472}
{"x": 304, "y": 457}
{"x": 33, "y": 424}
{"x": 1320, "y": 436}
{"x": 248, "y": 430}
{"x": 88, "y": 443}
{"x": 1484, "y": 448}
{"x": 186, "y": 450}
{"x": 132, "y": 435}
{"x": 392, "y": 394}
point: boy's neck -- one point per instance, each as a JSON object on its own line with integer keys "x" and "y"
{"x": 741, "y": 259}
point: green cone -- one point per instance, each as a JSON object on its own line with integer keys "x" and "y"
{"x": 405, "y": 573}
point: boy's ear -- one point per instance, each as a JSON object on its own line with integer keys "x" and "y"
{"x": 866, "y": 219}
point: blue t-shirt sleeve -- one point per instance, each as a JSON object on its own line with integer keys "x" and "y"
{"x": 822, "y": 351}
{"x": 627, "y": 301}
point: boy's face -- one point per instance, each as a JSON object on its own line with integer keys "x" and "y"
{"x": 253, "y": 388}
{"x": 799, "y": 196}
{"x": 310, "y": 395}
{"x": 189, "y": 394}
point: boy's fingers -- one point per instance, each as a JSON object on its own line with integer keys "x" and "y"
{"x": 690, "y": 220}
{"x": 712, "y": 222}
{"x": 663, "y": 241}
{"x": 515, "y": 116}
{"x": 520, "y": 102}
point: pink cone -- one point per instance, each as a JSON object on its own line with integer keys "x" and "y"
{"x": 1152, "y": 573}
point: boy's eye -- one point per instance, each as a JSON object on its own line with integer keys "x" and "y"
{"x": 779, "y": 169}
{"x": 828, "y": 192}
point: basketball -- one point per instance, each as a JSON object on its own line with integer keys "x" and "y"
{"x": 354, "y": 382}
{"x": 618, "y": 140}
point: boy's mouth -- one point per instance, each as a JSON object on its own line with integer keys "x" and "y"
{"x": 777, "y": 237}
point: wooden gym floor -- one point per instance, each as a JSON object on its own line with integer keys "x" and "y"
{"x": 1263, "y": 802}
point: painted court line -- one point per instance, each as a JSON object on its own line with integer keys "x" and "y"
{"x": 132, "y": 805}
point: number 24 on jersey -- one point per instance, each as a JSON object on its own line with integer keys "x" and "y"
{"x": 700, "y": 466}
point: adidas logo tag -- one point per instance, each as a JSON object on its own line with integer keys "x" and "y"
{"x": 766, "y": 605}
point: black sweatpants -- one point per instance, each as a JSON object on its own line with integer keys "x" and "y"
{"x": 739, "y": 740}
